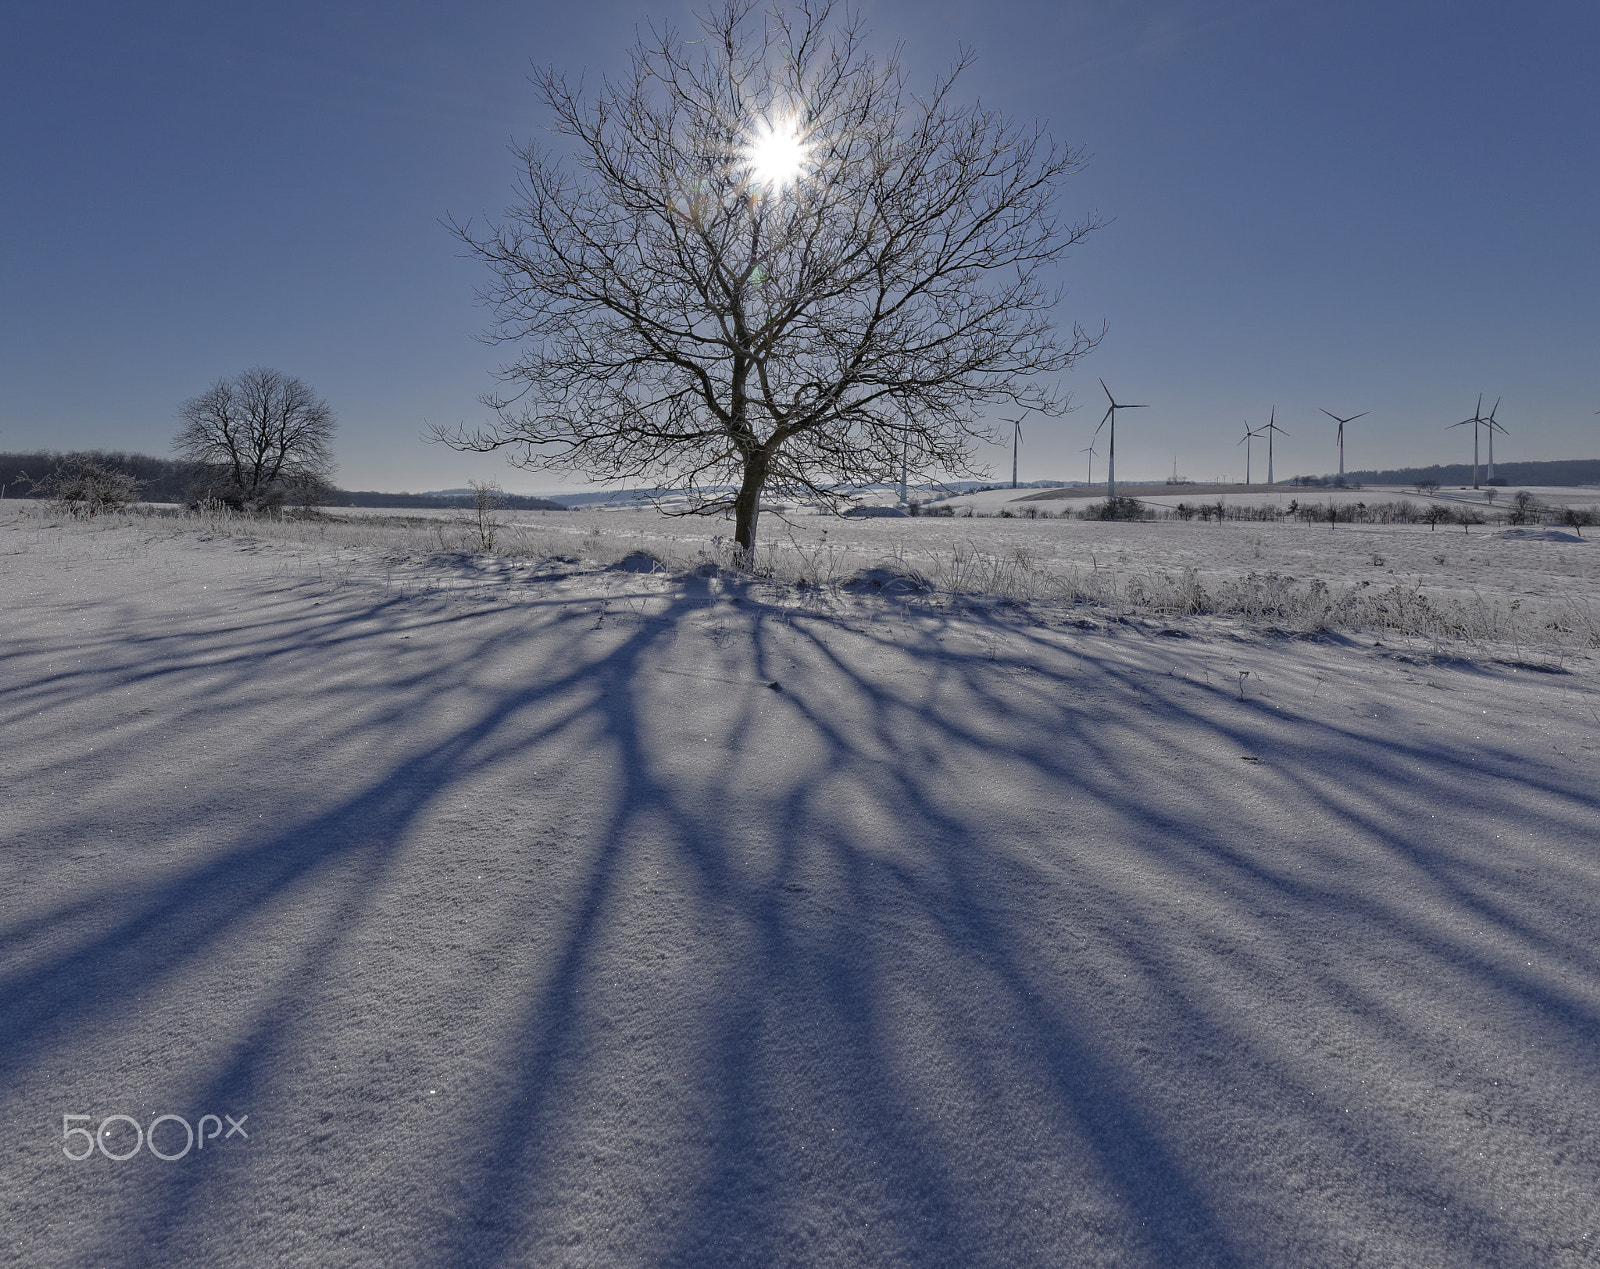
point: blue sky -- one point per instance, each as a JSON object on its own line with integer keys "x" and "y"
{"x": 1360, "y": 206}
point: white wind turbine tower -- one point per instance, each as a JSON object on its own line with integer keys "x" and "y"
{"x": 1341, "y": 423}
{"x": 1494, "y": 426}
{"x": 1111, "y": 456}
{"x": 1016, "y": 443}
{"x": 1090, "y": 451}
{"x": 1477, "y": 420}
{"x": 1269, "y": 429}
{"x": 1245, "y": 441}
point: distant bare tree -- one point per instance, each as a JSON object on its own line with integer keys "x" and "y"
{"x": 261, "y": 438}
{"x": 770, "y": 265}
{"x": 1575, "y": 518}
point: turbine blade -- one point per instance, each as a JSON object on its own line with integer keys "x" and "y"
{"x": 1109, "y": 397}
{"x": 1354, "y": 417}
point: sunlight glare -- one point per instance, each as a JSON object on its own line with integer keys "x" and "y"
{"x": 776, "y": 153}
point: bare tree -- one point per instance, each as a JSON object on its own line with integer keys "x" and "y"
{"x": 1576, "y": 517}
{"x": 768, "y": 265}
{"x": 260, "y": 438}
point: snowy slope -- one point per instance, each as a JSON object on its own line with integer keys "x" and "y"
{"x": 542, "y": 915}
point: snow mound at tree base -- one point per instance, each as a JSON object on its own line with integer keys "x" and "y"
{"x": 638, "y": 562}
{"x": 890, "y": 579}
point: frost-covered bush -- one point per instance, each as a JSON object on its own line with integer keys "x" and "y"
{"x": 79, "y": 486}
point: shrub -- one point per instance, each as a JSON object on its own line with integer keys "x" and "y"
{"x": 80, "y": 486}
{"x": 487, "y": 499}
{"x": 1113, "y": 509}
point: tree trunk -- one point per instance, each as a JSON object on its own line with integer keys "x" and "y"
{"x": 747, "y": 505}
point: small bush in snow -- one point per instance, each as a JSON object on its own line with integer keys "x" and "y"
{"x": 487, "y": 499}
{"x": 80, "y": 486}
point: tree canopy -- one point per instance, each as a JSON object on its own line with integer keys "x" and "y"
{"x": 760, "y": 262}
{"x": 258, "y": 438}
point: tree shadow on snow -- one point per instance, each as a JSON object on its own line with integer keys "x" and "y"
{"x": 967, "y": 943}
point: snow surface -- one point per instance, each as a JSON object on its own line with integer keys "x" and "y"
{"x": 537, "y": 913}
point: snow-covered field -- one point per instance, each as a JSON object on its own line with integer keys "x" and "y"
{"x": 1040, "y": 911}
{"x": 1537, "y": 590}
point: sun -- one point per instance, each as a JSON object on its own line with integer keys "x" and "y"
{"x": 777, "y": 153}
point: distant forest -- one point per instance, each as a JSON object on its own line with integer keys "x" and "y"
{"x": 168, "y": 480}
{"x": 1566, "y": 471}
{"x": 372, "y": 498}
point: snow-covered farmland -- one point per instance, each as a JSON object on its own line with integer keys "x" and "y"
{"x": 1537, "y": 591}
{"x": 535, "y": 911}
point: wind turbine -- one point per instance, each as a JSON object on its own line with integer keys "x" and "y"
{"x": 1341, "y": 423}
{"x": 1477, "y": 421}
{"x": 1016, "y": 442}
{"x": 1269, "y": 429}
{"x": 1245, "y": 441}
{"x": 1111, "y": 456}
{"x": 1494, "y": 426}
{"x": 1090, "y": 451}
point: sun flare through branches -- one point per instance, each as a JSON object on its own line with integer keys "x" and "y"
{"x": 776, "y": 153}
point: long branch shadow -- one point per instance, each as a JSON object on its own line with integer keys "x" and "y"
{"x": 883, "y": 963}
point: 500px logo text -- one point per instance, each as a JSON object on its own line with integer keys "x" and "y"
{"x": 193, "y": 1137}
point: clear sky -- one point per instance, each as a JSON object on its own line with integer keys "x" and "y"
{"x": 1371, "y": 205}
